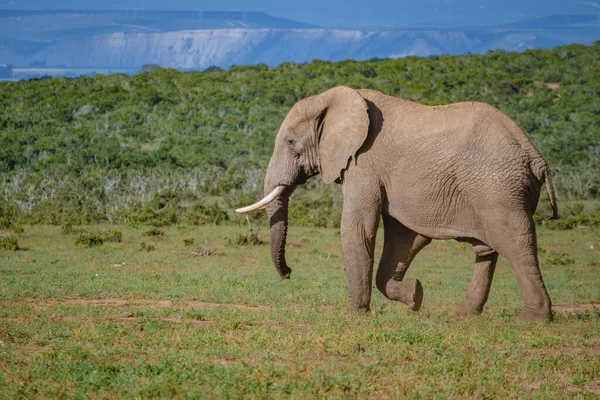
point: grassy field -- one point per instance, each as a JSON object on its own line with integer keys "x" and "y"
{"x": 212, "y": 320}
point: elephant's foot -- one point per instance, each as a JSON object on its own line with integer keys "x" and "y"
{"x": 409, "y": 292}
{"x": 532, "y": 314}
{"x": 359, "y": 310}
{"x": 468, "y": 307}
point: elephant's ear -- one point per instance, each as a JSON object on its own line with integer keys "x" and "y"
{"x": 344, "y": 127}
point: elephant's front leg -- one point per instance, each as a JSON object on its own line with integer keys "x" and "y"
{"x": 360, "y": 220}
{"x": 401, "y": 245}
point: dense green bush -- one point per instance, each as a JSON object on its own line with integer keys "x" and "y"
{"x": 112, "y": 236}
{"x": 200, "y": 214}
{"x": 165, "y": 147}
{"x": 89, "y": 239}
{"x": 147, "y": 247}
{"x": 561, "y": 259}
{"x": 575, "y": 216}
{"x": 9, "y": 243}
{"x": 249, "y": 238}
{"x": 154, "y": 232}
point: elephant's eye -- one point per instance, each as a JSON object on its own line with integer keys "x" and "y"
{"x": 291, "y": 141}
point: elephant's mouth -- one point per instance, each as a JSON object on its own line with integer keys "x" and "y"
{"x": 261, "y": 204}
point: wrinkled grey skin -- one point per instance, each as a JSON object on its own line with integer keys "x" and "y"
{"x": 462, "y": 171}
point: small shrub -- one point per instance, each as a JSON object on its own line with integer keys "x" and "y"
{"x": 575, "y": 221}
{"x": 188, "y": 242}
{"x": 206, "y": 214}
{"x": 541, "y": 250}
{"x": 9, "y": 243}
{"x": 7, "y": 224}
{"x": 561, "y": 259}
{"x": 197, "y": 315}
{"x": 69, "y": 229}
{"x": 147, "y": 247}
{"x": 89, "y": 239}
{"x": 206, "y": 253}
{"x": 154, "y": 232}
{"x": 574, "y": 209}
{"x": 249, "y": 239}
{"x": 66, "y": 229}
{"x": 112, "y": 236}
{"x": 162, "y": 210}
{"x": 566, "y": 223}
{"x": 163, "y": 217}
{"x": 575, "y": 216}
{"x": 17, "y": 229}
{"x": 8, "y": 217}
{"x": 539, "y": 219}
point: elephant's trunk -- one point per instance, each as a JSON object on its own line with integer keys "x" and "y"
{"x": 277, "y": 211}
{"x": 276, "y": 203}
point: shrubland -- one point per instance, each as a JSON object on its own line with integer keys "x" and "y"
{"x": 167, "y": 147}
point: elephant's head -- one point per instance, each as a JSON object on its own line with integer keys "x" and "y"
{"x": 319, "y": 135}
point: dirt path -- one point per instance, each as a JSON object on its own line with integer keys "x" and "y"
{"x": 118, "y": 302}
{"x": 576, "y": 307}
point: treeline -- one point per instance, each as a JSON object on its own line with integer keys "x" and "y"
{"x": 165, "y": 147}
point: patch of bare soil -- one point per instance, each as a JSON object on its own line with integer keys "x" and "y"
{"x": 206, "y": 253}
{"x": 566, "y": 350}
{"x": 254, "y": 361}
{"x": 533, "y": 387}
{"x": 191, "y": 321}
{"x": 594, "y": 388}
{"x": 552, "y": 85}
{"x": 297, "y": 326}
{"x": 311, "y": 358}
{"x": 116, "y": 302}
{"x": 203, "y": 304}
{"x": 575, "y": 307}
{"x": 95, "y": 302}
{"x": 125, "y": 318}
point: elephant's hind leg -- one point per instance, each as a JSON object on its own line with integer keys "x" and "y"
{"x": 477, "y": 294}
{"x": 400, "y": 247}
{"x": 516, "y": 240}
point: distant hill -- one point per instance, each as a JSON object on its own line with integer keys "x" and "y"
{"x": 195, "y": 40}
{"x": 69, "y": 24}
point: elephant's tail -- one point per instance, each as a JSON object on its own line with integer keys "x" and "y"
{"x": 539, "y": 167}
{"x": 551, "y": 193}
{"x": 543, "y": 174}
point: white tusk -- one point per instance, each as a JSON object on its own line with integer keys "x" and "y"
{"x": 263, "y": 203}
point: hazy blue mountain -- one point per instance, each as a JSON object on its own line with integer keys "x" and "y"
{"x": 125, "y": 40}
{"x": 64, "y": 24}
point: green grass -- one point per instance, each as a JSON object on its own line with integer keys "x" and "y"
{"x": 212, "y": 320}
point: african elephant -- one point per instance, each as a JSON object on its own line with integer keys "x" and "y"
{"x": 461, "y": 171}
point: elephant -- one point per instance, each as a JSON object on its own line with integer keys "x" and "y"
{"x": 462, "y": 171}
